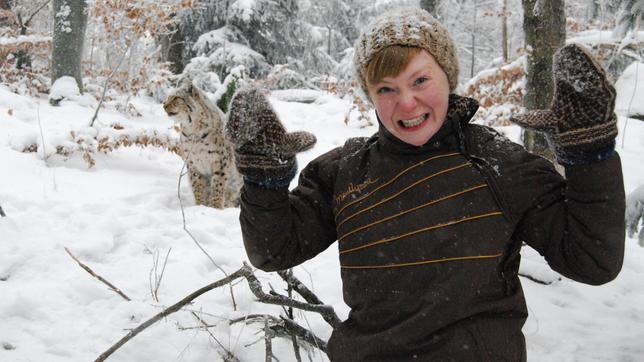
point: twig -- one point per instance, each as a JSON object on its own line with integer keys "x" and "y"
{"x": 268, "y": 335}
{"x": 42, "y": 6}
{"x": 173, "y": 308}
{"x": 326, "y": 311}
{"x": 154, "y": 290}
{"x": 289, "y": 328}
{"x": 107, "y": 81}
{"x": 304, "y": 334}
{"x": 91, "y": 272}
{"x": 332, "y": 318}
{"x": 229, "y": 356}
{"x": 256, "y": 288}
{"x": 183, "y": 216}
{"x": 185, "y": 228}
{"x": 42, "y": 135}
{"x": 530, "y": 277}
{"x": 290, "y": 315}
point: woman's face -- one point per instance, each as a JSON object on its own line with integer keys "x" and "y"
{"x": 413, "y": 105}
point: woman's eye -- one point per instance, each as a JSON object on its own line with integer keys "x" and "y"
{"x": 420, "y": 80}
{"x": 383, "y": 90}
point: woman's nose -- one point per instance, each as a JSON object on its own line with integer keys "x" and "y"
{"x": 407, "y": 101}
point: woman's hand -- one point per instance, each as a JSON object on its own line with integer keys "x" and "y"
{"x": 581, "y": 122}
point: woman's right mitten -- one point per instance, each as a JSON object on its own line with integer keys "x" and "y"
{"x": 264, "y": 151}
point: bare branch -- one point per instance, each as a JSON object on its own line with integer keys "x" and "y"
{"x": 326, "y": 311}
{"x": 229, "y": 356}
{"x": 91, "y": 272}
{"x": 286, "y": 328}
{"x": 173, "y": 308}
{"x": 107, "y": 82}
{"x": 290, "y": 315}
{"x": 154, "y": 287}
{"x": 185, "y": 228}
{"x": 42, "y": 6}
{"x": 304, "y": 334}
{"x": 2, "y": 212}
{"x": 268, "y": 336}
{"x": 256, "y": 288}
{"x": 331, "y": 318}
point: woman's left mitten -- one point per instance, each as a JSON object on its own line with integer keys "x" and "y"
{"x": 581, "y": 122}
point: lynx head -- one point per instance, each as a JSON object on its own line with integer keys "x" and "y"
{"x": 190, "y": 107}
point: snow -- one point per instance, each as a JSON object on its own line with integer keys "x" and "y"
{"x": 598, "y": 37}
{"x": 244, "y": 8}
{"x": 631, "y": 84}
{"x": 63, "y": 18}
{"x": 21, "y": 39}
{"x": 64, "y": 87}
{"x": 116, "y": 216}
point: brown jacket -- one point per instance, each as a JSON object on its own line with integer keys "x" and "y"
{"x": 429, "y": 237}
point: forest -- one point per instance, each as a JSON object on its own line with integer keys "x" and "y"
{"x": 107, "y": 251}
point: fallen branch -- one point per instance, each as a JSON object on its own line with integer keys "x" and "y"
{"x": 331, "y": 318}
{"x": 291, "y": 316}
{"x": 173, "y": 308}
{"x": 268, "y": 338}
{"x": 91, "y": 272}
{"x": 284, "y": 327}
{"x": 256, "y": 288}
{"x": 229, "y": 356}
{"x": 325, "y": 311}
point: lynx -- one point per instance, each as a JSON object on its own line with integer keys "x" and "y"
{"x": 205, "y": 149}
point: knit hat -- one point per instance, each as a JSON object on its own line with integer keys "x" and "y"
{"x": 408, "y": 27}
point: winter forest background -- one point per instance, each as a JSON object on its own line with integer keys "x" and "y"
{"x": 90, "y": 176}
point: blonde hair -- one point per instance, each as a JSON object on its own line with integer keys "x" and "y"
{"x": 389, "y": 62}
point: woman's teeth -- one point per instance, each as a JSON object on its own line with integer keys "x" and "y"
{"x": 413, "y": 122}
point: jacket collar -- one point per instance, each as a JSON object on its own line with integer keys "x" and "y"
{"x": 449, "y": 137}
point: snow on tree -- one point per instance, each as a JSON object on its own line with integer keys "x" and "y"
{"x": 64, "y": 87}
{"x": 630, "y": 16}
{"x": 270, "y": 27}
{"x": 70, "y": 22}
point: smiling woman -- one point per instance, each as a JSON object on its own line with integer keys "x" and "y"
{"x": 412, "y": 105}
{"x": 431, "y": 212}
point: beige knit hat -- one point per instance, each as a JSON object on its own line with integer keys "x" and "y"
{"x": 407, "y": 27}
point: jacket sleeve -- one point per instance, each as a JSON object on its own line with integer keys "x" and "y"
{"x": 577, "y": 224}
{"x": 282, "y": 229}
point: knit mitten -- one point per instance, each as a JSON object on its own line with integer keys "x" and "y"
{"x": 580, "y": 123}
{"x": 264, "y": 152}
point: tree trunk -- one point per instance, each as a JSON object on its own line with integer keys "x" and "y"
{"x": 70, "y": 22}
{"x": 544, "y": 24}
{"x": 172, "y": 45}
{"x": 504, "y": 30}
{"x": 431, "y": 6}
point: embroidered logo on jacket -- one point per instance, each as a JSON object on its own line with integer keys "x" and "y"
{"x": 354, "y": 188}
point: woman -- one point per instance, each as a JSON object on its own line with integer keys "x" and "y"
{"x": 430, "y": 212}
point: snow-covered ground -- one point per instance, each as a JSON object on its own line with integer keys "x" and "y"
{"x": 124, "y": 212}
